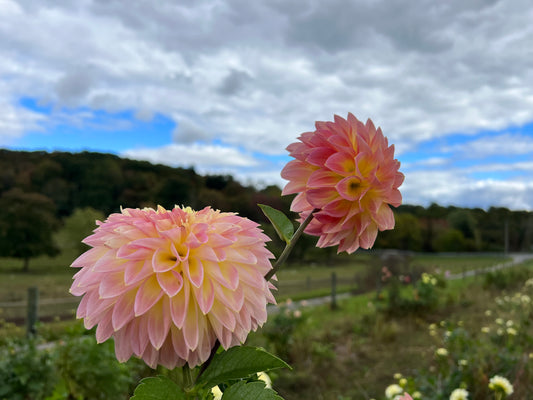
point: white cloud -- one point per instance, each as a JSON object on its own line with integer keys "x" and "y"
{"x": 254, "y": 75}
{"x": 203, "y": 157}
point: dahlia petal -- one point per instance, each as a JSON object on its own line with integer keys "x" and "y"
{"x": 123, "y": 310}
{"x": 295, "y": 170}
{"x": 223, "y": 315}
{"x": 89, "y": 258}
{"x": 321, "y": 178}
{"x": 139, "y": 338}
{"x": 341, "y": 163}
{"x": 319, "y": 198}
{"x": 113, "y": 285}
{"x": 232, "y": 299}
{"x": 395, "y": 197}
{"x": 350, "y": 188}
{"x": 163, "y": 260}
{"x": 368, "y": 236}
{"x": 205, "y": 295}
{"x": 179, "y": 305}
{"x": 225, "y": 273}
{"x": 170, "y": 281}
{"x": 147, "y": 295}
{"x": 136, "y": 271}
{"x": 195, "y": 271}
{"x": 319, "y": 155}
{"x": 150, "y": 356}
{"x": 134, "y": 253}
{"x": 158, "y": 323}
{"x": 240, "y": 255}
{"x": 190, "y": 331}
{"x": 384, "y": 217}
{"x": 300, "y": 203}
{"x": 178, "y": 342}
{"x": 104, "y": 330}
{"x": 123, "y": 349}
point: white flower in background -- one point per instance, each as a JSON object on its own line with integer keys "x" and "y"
{"x": 511, "y": 331}
{"x": 500, "y": 384}
{"x": 441, "y": 352}
{"x": 393, "y": 390}
{"x": 459, "y": 394}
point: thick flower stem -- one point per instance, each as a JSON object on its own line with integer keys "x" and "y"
{"x": 289, "y": 246}
{"x": 187, "y": 377}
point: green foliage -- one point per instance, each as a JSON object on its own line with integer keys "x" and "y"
{"x": 280, "y": 329}
{"x": 283, "y": 226}
{"x": 25, "y": 371}
{"x": 247, "y": 391}
{"x": 237, "y": 363}
{"x": 420, "y": 298}
{"x": 501, "y": 279}
{"x": 91, "y": 371}
{"x": 406, "y": 235}
{"x": 158, "y": 388}
{"x": 450, "y": 240}
{"x": 27, "y": 221}
{"x": 76, "y": 227}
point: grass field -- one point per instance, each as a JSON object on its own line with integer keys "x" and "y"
{"x": 357, "y": 273}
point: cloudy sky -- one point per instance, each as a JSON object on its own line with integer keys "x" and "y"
{"x": 225, "y": 85}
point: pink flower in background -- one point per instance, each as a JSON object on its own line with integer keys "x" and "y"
{"x": 167, "y": 284}
{"x": 347, "y": 171}
{"x": 405, "y": 396}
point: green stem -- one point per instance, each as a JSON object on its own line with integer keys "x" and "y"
{"x": 289, "y": 246}
{"x": 187, "y": 377}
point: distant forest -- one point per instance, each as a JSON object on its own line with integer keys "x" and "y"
{"x": 105, "y": 182}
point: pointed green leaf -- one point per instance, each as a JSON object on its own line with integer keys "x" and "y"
{"x": 283, "y": 226}
{"x": 158, "y": 388}
{"x": 239, "y": 362}
{"x": 249, "y": 391}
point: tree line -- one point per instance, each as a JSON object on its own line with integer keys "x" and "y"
{"x": 42, "y": 193}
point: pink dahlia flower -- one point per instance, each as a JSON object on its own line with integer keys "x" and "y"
{"x": 167, "y": 284}
{"x": 347, "y": 172}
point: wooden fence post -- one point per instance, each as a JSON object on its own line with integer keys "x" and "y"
{"x": 33, "y": 308}
{"x": 333, "y": 290}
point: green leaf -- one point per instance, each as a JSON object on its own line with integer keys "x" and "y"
{"x": 158, "y": 388}
{"x": 283, "y": 226}
{"x": 239, "y": 362}
{"x": 249, "y": 391}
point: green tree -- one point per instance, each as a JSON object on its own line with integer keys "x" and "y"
{"x": 406, "y": 235}
{"x": 76, "y": 227}
{"x": 450, "y": 240}
{"x": 27, "y": 222}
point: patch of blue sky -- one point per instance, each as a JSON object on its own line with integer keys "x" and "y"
{"x": 496, "y": 175}
{"x": 76, "y": 129}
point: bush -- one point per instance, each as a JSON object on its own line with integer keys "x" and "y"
{"x": 25, "y": 371}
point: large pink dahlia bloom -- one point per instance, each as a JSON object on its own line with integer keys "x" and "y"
{"x": 347, "y": 172}
{"x": 167, "y": 284}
